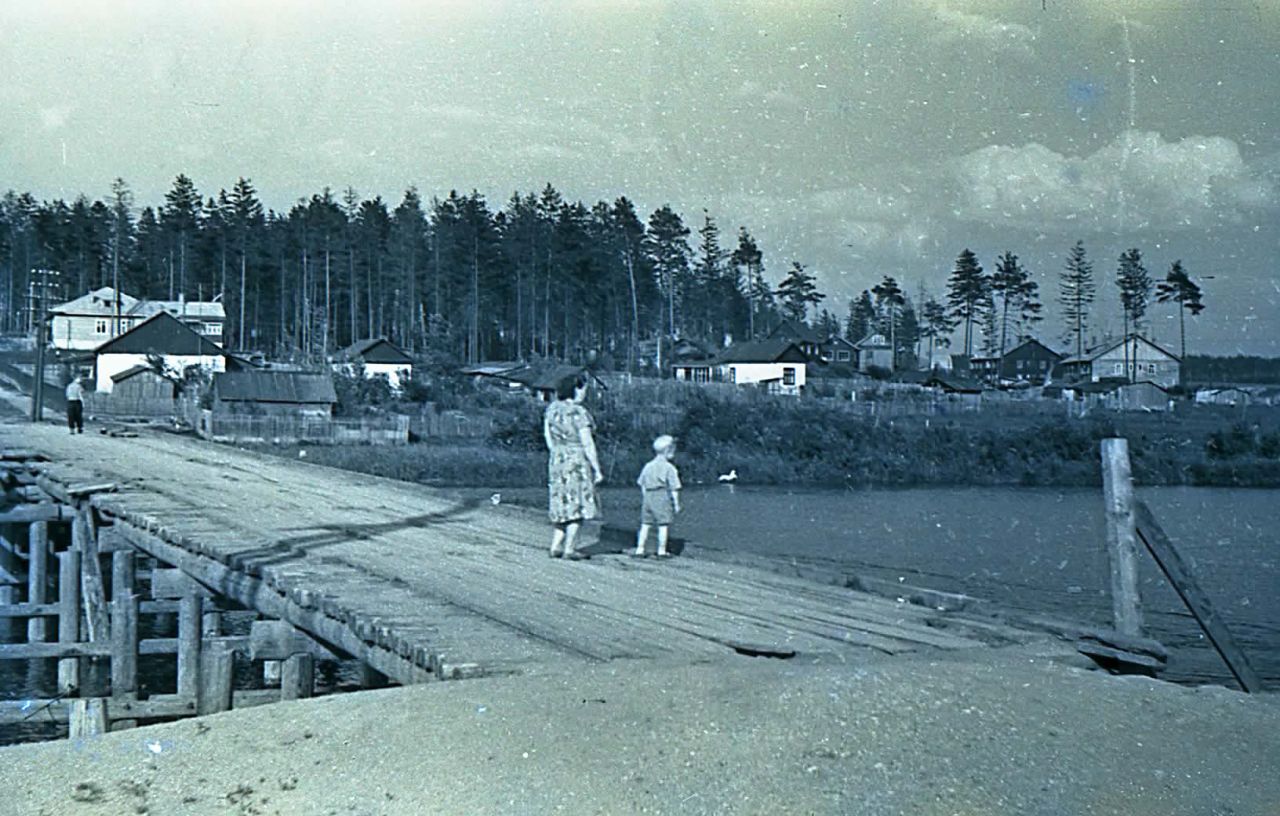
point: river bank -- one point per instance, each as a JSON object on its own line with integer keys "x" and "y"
{"x": 1004, "y": 732}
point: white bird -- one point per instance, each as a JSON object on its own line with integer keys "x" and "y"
{"x": 731, "y": 476}
{"x": 496, "y": 498}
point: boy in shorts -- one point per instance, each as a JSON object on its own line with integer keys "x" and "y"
{"x": 660, "y": 488}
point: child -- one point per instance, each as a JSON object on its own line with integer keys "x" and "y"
{"x": 660, "y": 485}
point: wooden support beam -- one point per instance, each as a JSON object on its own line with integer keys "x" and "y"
{"x": 91, "y": 585}
{"x": 54, "y": 489}
{"x": 88, "y": 717}
{"x": 189, "y": 645}
{"x": 37, "y": 578}
{"x": 68, "y": 618}
{"x": 67, "y": 651}
{"x": 1122, "y": 540}
{"x": 124, "y": 645}
{"x": 277, "y": 640}
{"x": 170, "y": 646}
{"x": 217, "y": 668}
{"x": 27, "y": 513}
{"x": 1182, "y": 579}
{"x": 29, "y": 610}
{"x": 297, "y": 677}
{"x": 254, "y": 594}
{"x": 86, "y": 488}
{"x": 58, "y": 709}
{"x": 174, "y": 583}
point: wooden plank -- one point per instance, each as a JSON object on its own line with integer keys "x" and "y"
{"x": 217, "y": 668}
{"x": 174, "y": 583}
{"x": 29, "y": 610}
{"x": 38, "y": 579}
{"x": 88, "y": 718}
{"x": 1183, "y": 581}
{"x": 277, "y": 640}
{"x": 1122, "y": 542}
{"x": 189, "y": 620}
{"x": 29, "y": 651}
{"x": 84, "y": 489}
{"x": 27, "y": 513}
{"x": 297, "y": 677}
{"x": 91, "y": 585}
{"x": 54, "y": 489}
{"x": 69, "y": 669}
{"x": 124, "y": 645}
{"x": 170, "y": 646}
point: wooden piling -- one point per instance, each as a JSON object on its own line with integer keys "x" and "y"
{"x": 68, "y": 618}
{"x": 189, "y": 632}
{"x": 297, "y": 678}
{"x": 37, "y": 577}
{"x": 217, "y": 667}
{"x": 88, "y": 717}
{"x": 271, "y": 672}
{"x": 1122, "y": 539}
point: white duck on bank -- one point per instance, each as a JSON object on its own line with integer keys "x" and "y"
{"x": 730, "y": 477}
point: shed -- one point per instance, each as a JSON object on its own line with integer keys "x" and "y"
{"x": 293, "y": 393}
{"x": 377, "y": 357}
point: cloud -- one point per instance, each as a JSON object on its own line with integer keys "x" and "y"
{"x": 1138, "y": 181}
{"x": 55, "y": 117}
{"x": 962, "y": 28}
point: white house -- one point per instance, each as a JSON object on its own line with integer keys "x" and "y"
{"x": 162, "y": 335}
{"x": 90, "y": 320}
{"x": 874, "y": 350}
{"x": 1135, "y": 359}
{"x": 777, "y": 364}
{"x": 377, "y": 356}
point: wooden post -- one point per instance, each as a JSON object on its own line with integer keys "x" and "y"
{"x": 1183, "y": 581}
{"x": 298, "y": 679}
{"x": 217, "y": 666}
{"x": 124, "y": 572}
{"x": 94, "y": 674}
{"x": 211, "y": 623}
{"x": 271, "y": 672}
{"x": 189, "y": 620}
{"x": 1122, "y": 539}
{"x": 38, "y": 577}
{"x": 68, "y": 618}
{"x": 8, "y": 591}
{"x": 88, "y": 717}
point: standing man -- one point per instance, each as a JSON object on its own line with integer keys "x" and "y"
{"x": 75, "y": 405}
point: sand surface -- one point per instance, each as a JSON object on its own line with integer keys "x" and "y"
{"x": 1001, "y": 732}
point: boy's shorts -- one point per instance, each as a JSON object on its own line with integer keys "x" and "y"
{"x": 657, "y": 508}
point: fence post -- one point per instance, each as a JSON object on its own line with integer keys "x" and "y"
{"x": 68, "y": 618}
{"x": 1122, "y": 538}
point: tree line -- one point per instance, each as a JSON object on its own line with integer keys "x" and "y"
{"x": 541, "y": 276}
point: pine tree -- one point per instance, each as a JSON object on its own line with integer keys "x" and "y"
{"x": 935, "y": 324}
{"x": 889, "y": 300}
{"x": 748, "y": 258}
{"x": 667, "y": 248}
{"x": 1075, "y": 294}
{"x": 1177, "y": 287}
{"x": 861, "y": 318}
{"x": 1135, "y": 292}
{"x": 121, "y": 241}
{"x": 181, "y": 218}
{"x": 967, "y": 294}
{"x": 247, "y": 222}
{"x": 798, "y": 291}
{"x": 1014, "y": 293}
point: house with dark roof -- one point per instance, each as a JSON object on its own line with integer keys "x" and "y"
{"x": 376, "y": 357}
{"x": 105, "y": 313}
{"x": 160, "y": 336}
{"x": 874, "y": 350}
{"x": 778, "y": 365}
{"x": 272, "y": 392}
{"x": 1134, "y": 359}
{"x": 805, "y": 338}
{"x": 837, "y": 349}
{"x": 691, "y": 362}
{"x": 1029, "y": 361}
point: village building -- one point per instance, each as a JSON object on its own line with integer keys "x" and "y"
{"x": 376, "y": 357}
{"x": 1029, "y": 361}
{"x": 307, "y": 394}
{"x": 874, "y": 350}
{"x": 690, "y": 361}
{"x": 837, "y": 349}
{"x": 160, "y": 338}
{"x": 806, "y": 339}
{"x": 1227, "y": 395}
{"x": 1135, "y": 359}
{"x": 778, "y": 365}
{"x": 87, "y": 322}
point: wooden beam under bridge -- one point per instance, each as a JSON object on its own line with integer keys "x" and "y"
{"x": 253, "y": 593}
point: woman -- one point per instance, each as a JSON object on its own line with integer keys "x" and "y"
{"x": 573, "y": 468}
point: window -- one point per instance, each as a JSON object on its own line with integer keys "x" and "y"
{"x": 100, "y": 327}
{"x": 842, "y": 356}
{"x": 1020, "y": 365}
{"x": 788, "y": 376}
{"x": 733, "y": 374}
{"x": 1118, "y": 368}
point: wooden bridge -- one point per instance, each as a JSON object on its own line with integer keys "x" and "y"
{"x": 414, "y": 583}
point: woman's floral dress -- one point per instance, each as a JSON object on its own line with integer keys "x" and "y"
{"x": 571, "y": 484}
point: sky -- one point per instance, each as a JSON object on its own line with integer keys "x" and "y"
{"x": 859, "y": 138}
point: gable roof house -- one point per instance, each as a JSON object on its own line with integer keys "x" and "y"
{"x": 837, "y": 349}
{"x": 1029, "y": 361}
{"x": 292, "y": 393}
{"x": 806, "y": 339}
{"x": 1133, "y": 359}
{"x": 161, "y": 335}
{"x": 92, "y": 319}
{"x": 378, "y": 356}
{"x": 874, "y": 350}
{"x": 691, "y": 362}
{"x": 778, "y": 365}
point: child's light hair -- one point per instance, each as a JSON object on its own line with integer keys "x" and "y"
{"x": 663, "y": 443}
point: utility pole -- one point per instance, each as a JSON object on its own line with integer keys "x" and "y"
{"x": 41, "y": 324}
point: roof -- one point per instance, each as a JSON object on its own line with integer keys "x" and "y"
{"x": 375, "y": 350}
{"x": 274, "y": 386}
{"x": 873, "y": 340}
{"x": 1029, "y": 344}
{"x": 133, "y": 371}
{"x": 493, "y": 368}
{"x": 162, "y": 333}
{"x": 204, "y": 310}
{"x": 798, "y": 332}
{"x": 953, "y": 385}
{"x": 1113, "y": 344}
{"x": 100, "y": 301}
{"x": 548, "y": 377}
{"x": 763, "y": 351}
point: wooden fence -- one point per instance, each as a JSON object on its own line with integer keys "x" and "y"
{"x": 114, "y": 405}
{"x": 391, "y": 430}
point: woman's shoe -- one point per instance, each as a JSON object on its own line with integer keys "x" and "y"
{"x": 577, "y": 556}
{"x": 556, "y": 553}
{"x": 663, "y": 555}
{"x": 635, "y": 554}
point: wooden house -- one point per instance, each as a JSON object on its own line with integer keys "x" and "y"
{"x": 806, "y": 339}
{"x": 104, "y": 314}
{"x": 778, "y": 365}
{"x": 160, "y": 336}
{"x": 1226, "y": 395}
{"x": 874, "y": 350}
{"x": 691, "y": 362}
{"x": 1141, "y": 396}
{"x": 272, "y": 392}
{"x": 1029, "y": 361}
{"x": 376, "y": 357}
{"x": 837, "y": 349}
{"x": 1134, "y": 359}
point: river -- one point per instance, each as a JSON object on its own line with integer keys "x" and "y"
{"x": 1034, "y": 549}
